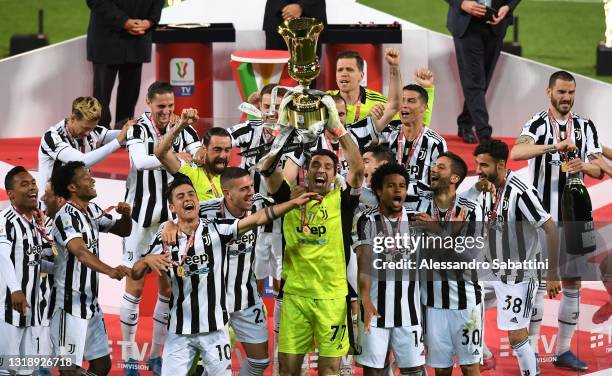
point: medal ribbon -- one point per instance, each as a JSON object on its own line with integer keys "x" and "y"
{"x": 498, "y": 199}
{"x": 557, "y": 130}
{"x": 400, "y": 146}
{"x": 73, "y": 142}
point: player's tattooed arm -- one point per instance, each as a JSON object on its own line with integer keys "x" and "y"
{"x": 267, "y": 215}
{"x": 526, "y": 148}
{"x": 599, "y": 160}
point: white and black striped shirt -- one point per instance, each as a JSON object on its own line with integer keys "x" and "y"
{"x": 240, "y": 279}
{"x": 429, "y": 146}
{"x": 513, "y": 233}
{"x": 47, "y": 292}
{"x": 545, "y": 171}
{"x": 199, "y": 297}
{"x": 145, "y": 189}
{"x": 250, "y": 135}
{"x": 26, "y": 246}
{"x": 76, "y": 285}
{"x": 394, "y": 292}
{"x": 57, "y": 140}
{"x": 452, "y": 289}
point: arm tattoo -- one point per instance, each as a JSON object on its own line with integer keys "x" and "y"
{"x": 551, "y": 149}
{"x": 524, "y": 140}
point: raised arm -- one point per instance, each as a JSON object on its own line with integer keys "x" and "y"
{"x": 163, "y": 150}
{"x": 270, "y": 213}
{"x": 392, "y": 56}
{"x": 123, "y": 227}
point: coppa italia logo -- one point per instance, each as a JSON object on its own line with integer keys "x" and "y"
{"x": 182, "y": 76}
{"x": 181, "y": 68}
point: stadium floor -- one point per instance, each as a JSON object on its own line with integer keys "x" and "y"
{"x": 592, "y": 343}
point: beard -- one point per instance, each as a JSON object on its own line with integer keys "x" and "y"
{"x": 490, "y": 177}
{"x": 212, "y": 165}
{"x": 557, "y": 105}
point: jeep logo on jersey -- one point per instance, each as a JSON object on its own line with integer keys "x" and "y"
{"x": 314, "y": 230}
{"x": 196, "y": 259}
{"x": 34, "y": 249}
{"x": 247, "y": 238}
{"x": 413, "y": 169}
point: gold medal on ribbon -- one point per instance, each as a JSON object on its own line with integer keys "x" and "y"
{"x": 564, "y": 167}
{"x": 54, "y": 250}
{"x": 306, "y": 230}
{"x": 43, "y": 275}
{"x": 180, "y": 271}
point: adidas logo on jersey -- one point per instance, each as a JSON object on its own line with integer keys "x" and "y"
{"x": 476, "y": 352}
{"x": 514, "y": 320}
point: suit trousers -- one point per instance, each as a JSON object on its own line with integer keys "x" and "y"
{"x": 128, "y": 90}
{"x": 477, "y": 54}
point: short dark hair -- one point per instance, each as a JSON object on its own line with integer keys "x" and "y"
{"x": 280, "y": 92}
{"x": 495, "y": 148}
{"x": 179, "y": 179}
{"x": 63, "y": 176}
{"x": 214, "y": 131}
{"x": 9, "y": 179}
{"x": 350, "y": 54}
{"x": 458, "y": 165}
{"x": 423, "y": 96}
{"x": 327, "y": 153}
{"x": 159, "y": 88}
{"x": 560, "y": 75}
{"x": 230, "y": 173}
{"x": 380, "y": 152}
{"x": 378, "y": 177}
{"x": 338, "y": 99}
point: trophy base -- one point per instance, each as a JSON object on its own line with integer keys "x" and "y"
{"x": 303, "y": 117}
{"x": 604, "y": 60}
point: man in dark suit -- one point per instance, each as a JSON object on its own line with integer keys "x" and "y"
{"x": 478, "y": 42}
{"x": 278, "y": 11}
{"x": 118, "y": 42}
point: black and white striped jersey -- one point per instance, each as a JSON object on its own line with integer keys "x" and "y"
{"x": 198, "y": 282}
{"x": 545, "y": 171}
{"x": 25, "y": 243}
{"x": 76, "y": 285}
{"x": 58, "y": 139}
{"x": 241, "y": 281}
{"x": 452, "y": 289}
{"x": 47, "y": 295}
{"x": 424, "y": 154}
{"x": 394, "y": 292}
{"x": 511, "y": 229}
{"x": 145, "y": 188}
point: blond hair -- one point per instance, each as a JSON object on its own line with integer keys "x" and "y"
{"x": 86, "y": 108}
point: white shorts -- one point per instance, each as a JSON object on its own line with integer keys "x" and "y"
{"x": 137, "y": 243}
{"x": 17, "y": 341}
{"x": 268, "y": 255}
{"x": 73, "y": 336}
{"x": 514, "y": 303}
{"x": 250, "y": 324}
{"x": 453, "y": 332}
{"x": 406, "y": 342}
{"x": 215, "y": 351}
{"x": 41, "y": 335}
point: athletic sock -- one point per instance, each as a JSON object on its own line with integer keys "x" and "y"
{"x": 568, "y": 318}
{"x": 526, "y": 357}
{"x": 160, "y": 325}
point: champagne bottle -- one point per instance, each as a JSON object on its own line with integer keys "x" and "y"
{"x": 577, "y": 215}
